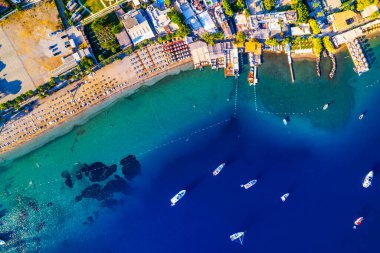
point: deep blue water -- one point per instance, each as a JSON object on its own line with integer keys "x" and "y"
{"x": 322, "y": 172}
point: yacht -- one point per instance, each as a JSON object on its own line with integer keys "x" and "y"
{"x": 238, "y": 237}
{"x": 284, "y": 197}
{"x": 177, "y": 197}
{"x": 361, "y": 116}
{"x": 285, "y": 121}
{"x": 249, "y": 184}
{"x": 219, "y": 169}
{"x": 368, "y": 179}
{"x": 325, "y": 106}
{"x": 357, "y": 222}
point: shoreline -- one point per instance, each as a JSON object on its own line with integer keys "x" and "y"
{"x": 44, "y": 137}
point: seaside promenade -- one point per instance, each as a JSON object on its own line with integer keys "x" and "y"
{"x": 76, "y": 98}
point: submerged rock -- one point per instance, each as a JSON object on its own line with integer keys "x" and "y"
{"x": 97, "y": 172}
{"x": 90, "y": 220}
{"x": 94, "y": 191}
{"x": 116, "y": 185}
{"x": 131, "y": 167}
{"x": 110, "y": 203}
{"x": 66, "y": 175}
{"x": 50, "y": 204}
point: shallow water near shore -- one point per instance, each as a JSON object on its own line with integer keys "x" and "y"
{"x": 180, "y": 130}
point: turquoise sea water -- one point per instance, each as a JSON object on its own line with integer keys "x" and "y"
{"x": 180, "y": 130}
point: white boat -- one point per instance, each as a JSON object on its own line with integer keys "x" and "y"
{"x": 285, "y": 121}
{"x": 284, "y": 197}
{"x": 357, "y": 222}
{"x": 368, "y": 179}
{"x": 2, "y": 242}
{"x": 238, "y": 237}
{"x": 219, "y": 169}
{"x": 177, "y": 197}
{"x": 249, "y": 184}
{"x": 325, "y": 106}
{"x": 361, "y": 116}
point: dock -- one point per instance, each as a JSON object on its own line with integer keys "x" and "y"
{"x": 358, "y": 57}
{"x": 254, "y": 51}
{"x": 290, "y": 61}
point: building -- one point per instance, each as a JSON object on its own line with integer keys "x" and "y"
{"x": 242, "y": 25}
{"x": 342, "y": 21}
{"x": 301, "y": 30}
{"x": 264, "y": 26}
{"x": 137, "y": 26}
{"x": 71, "y": 61}
{"x": 223, "y": 23}
{"x": 333, "y": 4}
{"x": 200, "y": 54}
{"x": 368, "y": 11}
{"x": 71, "y": 6}
{"x": 160, "y": 20}
{"x": 207, "y": 22}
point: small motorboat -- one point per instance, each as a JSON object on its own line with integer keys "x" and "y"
{"x": 357, "y": 222}
{"x": 238, "y": 237}
{"x": 2, "y": 242}
{"x": 284, "y": 197}
{"x": 325, "y": 106}
{"x": 218, "y": 169}
{"x": 361, "y": 116}
{"x": 249, "y": 184}
{"x": 368, "y": 179}
{"x": 285, "y": 121}
{"x": 177, "y": 197}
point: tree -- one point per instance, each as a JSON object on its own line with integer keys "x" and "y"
{"x": 317, "y": 46}
{"x": 3, "y": 106}
{"x": 269, "y": 4}
{"x": 167, "y": 3}
{"x": 302, "y": 13}
{"x": 101, "y": 57}
{"x": 227, "y": 8}
{"x": 285, "y": 41}
{"x": 87, "y": 62}
{"x": 116, "y": 29}
{"x": 314, "y": 26}
{"x": 240, "y": 4}
{"x": 272, "y": 42}
{"x": 362, "y": 4}
{"x": 328, "y": 44}
{"x": 52, "y": 81}
{"x": 240, "y": 38}
{"x": 178, "y": 19}
{"x": 210, "y": 38}
{"x": 246, "y": 13}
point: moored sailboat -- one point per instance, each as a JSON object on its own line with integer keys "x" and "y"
{"x": 284, "y": 197}
{"x": 238, "y": 237}
{"x": 218, "y": 169}
{"x": 249, "y": 184}
{"x": 368, "y": 179}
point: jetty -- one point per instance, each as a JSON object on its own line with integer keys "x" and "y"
{"x": 318, "y": 66}
{"x": 333, "y": 68}
{"x": 290, "y": 61}
{"x": 254, "y": 51}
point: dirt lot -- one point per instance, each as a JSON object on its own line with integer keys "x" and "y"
{"x": 28, "y": 33}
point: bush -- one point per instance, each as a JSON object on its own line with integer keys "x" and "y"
{"x": 240, "y": 4}
{"x": 269, "y": 4}
{"x": 178, "y": 19}
{"x": 272, "y": 42}
{"x": 240, "y": 38}
{"x": 317, "y": 46}
{"x": 328, "y": 44}
{"x": 302, "y": 13}
{"x": 362, "y": 4}
{"x": 210, "y": 38}
{"x": 314, "y": 26}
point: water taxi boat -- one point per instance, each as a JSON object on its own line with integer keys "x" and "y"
{"x": 249, "y": 184}
{"x": 368, "y": 179}
{"x": 284, "y": 197}
{"x": 219, "y": 169}
{"x": 177, "y": 197}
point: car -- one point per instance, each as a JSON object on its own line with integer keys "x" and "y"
{"x": 52, "y": 34}
{"x": 54, "y": 49}
{"x": 56, "y": 53}
{"x": 59, "y": 31}
{"x": 64, "y": 36}
{"x": 67, "y": 45}
{"x": 52, "y": 46}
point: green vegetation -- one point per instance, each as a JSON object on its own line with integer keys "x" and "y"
{"x": 178, "y": 19}
{"x": 167, "y": 3}
{"x": 285, "y": 41}
{"x": 16, "y": 102}
{"x": 302, "y": 13}
{"x": 240, "y": 4}
{"x": 328, "y": 44}
{"x": 240, "y": 39}
{"x": 210, "y": 38}
{"x": 301, "y": 43}
{"x": 87, "y": 63}
{"x": 227, "y": 8}
{"x": 317, "y": 46}
{"x": 314, "y": 26}
{"x": 269, "y": 4}
{"x": 101, "y": 34}
{"x": 272, "y": 42}
{"x": 362, "y": 4}
{"x": 374, "y": 15}
{"x": 246, "y": 13}
{"x": 93, "y": 5}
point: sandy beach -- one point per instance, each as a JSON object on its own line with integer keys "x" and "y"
{"x": 76, "y": 104}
